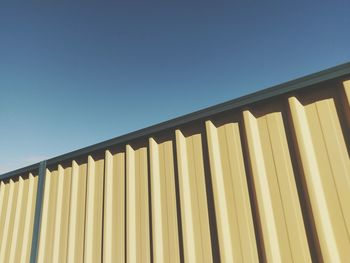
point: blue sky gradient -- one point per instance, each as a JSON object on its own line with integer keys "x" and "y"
{"x": 74, "y": 75}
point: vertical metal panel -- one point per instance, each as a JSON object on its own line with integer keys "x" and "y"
{"x": 9, "y": 218}
{"x": 48, "y": 217}
{"x": 28, "y": 221}
{"x": 325, "y": 160}
{"x": 61, "y": 219}
{"x": 233, "y": 210}
{"x": 197, "y": 242}
{"x": 19, "y": 215}
{"x": 267, "y": 182}
{"x": 4, "y": 196}
{"x": 347, "y": 91}
{"x": 114, "y": 209}
{"x": 94, "y": 209}
{"x": 76, "y": 223}
{"x": 138, "y": 238}
{"x": 17, "y": 201}
{"x": 278, "y": 203}
{"x": 164, "y": 214}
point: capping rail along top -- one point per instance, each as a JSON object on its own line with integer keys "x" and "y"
{"x": 262, "y": 178}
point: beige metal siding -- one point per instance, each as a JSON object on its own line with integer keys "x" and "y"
{"x": 268, "y": 182}
{"x": 149, "y": 171}
{"x": 137, "y": 203}
{"x": 193, "y": 197}
{"x": 164, "y": 214}
{"x": 278, "y": 203}
{"x": 114, "y": 211}
{"x": 75, "y": 243}
{"x": 233, "y": 210}
{"x": 325, "y": 160}
{"x": 17, "y": 205}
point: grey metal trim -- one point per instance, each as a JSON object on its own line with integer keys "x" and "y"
{"x": 38, "y": 211}
{"x": 24, "y": 170}
{"x": 309, "y": 81}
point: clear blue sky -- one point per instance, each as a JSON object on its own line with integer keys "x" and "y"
{"x": 71, "y": 76}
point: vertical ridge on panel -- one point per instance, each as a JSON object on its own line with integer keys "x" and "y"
{"x": 58, "y": 215}
{"x": 287, "y": 188}
{"x": 185, "y": 197}
{"x": 282, "y": 222}
{"x": 94, "y": 210}
{"x": 76, "y": 223}
{"x": 197, "y": 241}
{"x": 337, "y": 154}
{"x": 158, "y": 224}
{"x": 345, "y": 106}
{"x": 18, "y": 223}
{"x": 4, "y": 195}
{"x": 119, "y": 220}
{"x": 233, "y": 211}
{"x": 144, "y": 206}
{"x": 28, "y": 219}
{"x": 263, "y": 191}
{"x": 62, "y": 213}
{"x": 138, "y": 240}
{"x": 170, "y": 192}
{"x": 325, "y": 203}
{"x": 165, "y": 231}
{"x": 201, "y": 195}
{"x": 113, "y": 244}
{"x": 346, "y": 85}
{"x": 108, "y": 209}
{"x": 8, "y": 225}
{"x": 48, "y": 217}
{"x": 131, "y": 205}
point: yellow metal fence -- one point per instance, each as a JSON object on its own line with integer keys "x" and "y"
{"x": 267, "y": 182}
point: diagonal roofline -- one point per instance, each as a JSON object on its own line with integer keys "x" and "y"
{"x": 339, "y": 71}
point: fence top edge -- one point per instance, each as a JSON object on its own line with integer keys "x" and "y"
{"x": 311, "y": 80}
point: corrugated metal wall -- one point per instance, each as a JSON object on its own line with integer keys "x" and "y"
{"x": 268, "y": 182}
{"x": 17, "y": 205}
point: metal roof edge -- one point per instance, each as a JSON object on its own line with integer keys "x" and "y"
{"x": 296, "y": 84}
{"x": 22, "y": 170}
